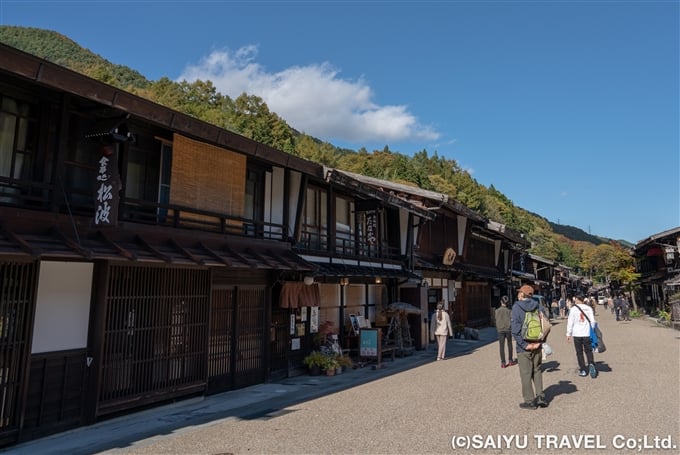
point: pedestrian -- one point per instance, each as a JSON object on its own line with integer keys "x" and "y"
{"x": 618, "y": 305}
{"x": 563, "y": 308}
{"x": 554, "y": 309}
{"x": 502, "y": 316}
{"x": 625, "y": 308}
{"x": 528, "y": 352}
{"x": 440, "y": 327}
{"x": 581, "y": 318}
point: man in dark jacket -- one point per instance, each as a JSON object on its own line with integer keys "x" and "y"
{"x": 528, "y": 353}
{"x": 502, "y": 316}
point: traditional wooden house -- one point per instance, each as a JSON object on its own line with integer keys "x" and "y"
{"x": 142, "y": 251}
{"x": 459, "y": 256}
{"x": 359, "y": 238}
{"x": 544, "y": 277}
{"x": 148, "y": 256}
{"x": 658, "y": 262}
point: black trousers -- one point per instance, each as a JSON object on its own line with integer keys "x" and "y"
{"x": 504, "y": 337}
{"x": 582, "y": 346}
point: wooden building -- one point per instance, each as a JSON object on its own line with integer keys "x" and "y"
{"x": 658, "y": 262}
{"x": 458, "y": 256}
{"x": 148, "y": 256}
{"x": 140, "y": 251}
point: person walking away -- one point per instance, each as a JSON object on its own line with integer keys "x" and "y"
{"x": 554, "y": 309}
{"x": 617, "y": 307}
{"x": 563, "y": 308}
{"x": 625, "y": 308}
{"x": 502, "y": 316}
{"x": 441, "y": 328}
{"x": 580, "y": 319}
{"x": 528, "y": 352}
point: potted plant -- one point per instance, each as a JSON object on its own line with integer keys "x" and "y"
{"x": 315, "y": 361}
{"x": 331, "y": 366}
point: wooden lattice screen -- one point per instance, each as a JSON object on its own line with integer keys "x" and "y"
{"x": 17, "y": 304}
{"x": 156, "y": 335}
{"x": 236, "y": 355}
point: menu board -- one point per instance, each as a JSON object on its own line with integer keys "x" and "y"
{"x": 369, "y": 342}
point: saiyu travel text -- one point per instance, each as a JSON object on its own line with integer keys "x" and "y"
{"x": 562, "y": 442}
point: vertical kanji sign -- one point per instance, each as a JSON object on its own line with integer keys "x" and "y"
{"x": 107, "y": 188}
{"x": 371, "y": 221}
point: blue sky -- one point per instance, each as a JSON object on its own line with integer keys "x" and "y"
{"x": 569, "y": 108}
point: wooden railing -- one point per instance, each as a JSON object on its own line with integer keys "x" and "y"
{"x": 347, "y": 245}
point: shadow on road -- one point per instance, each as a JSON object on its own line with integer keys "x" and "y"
{"x": 561, "y": 388}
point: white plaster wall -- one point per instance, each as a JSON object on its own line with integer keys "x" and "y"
{"x": 295, "y": 179}
{"x": 274, "y": 201}
{"x": 403, "y": 230}
{"x": 63, "y": 306}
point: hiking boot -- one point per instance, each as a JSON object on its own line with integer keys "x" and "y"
{"x": 593, "y": 371}
{"x": 540, "y": 402}
{"x": 582, "y": 373}
{"x": 529, "y": 405}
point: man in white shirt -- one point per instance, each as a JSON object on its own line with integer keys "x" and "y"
{"x": 581, "y": 317}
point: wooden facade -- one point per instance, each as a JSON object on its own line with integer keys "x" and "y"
{"x": 148, "y": 256}
{"x": 138, "y": 251}
{"x": 657, "y": 260}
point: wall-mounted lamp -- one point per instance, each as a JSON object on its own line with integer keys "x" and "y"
{"x": 344, "y": 281}
{"x": 309, "y": 280}
{"x": 378, "y": 280}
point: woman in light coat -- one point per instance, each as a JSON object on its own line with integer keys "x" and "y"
{"x": 440, "y": 327}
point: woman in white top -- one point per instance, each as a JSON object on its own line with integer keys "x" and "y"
{"x": 440, "y": 328}
{"x": 581, "y": 317}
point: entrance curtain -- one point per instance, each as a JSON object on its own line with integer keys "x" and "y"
{"x": 297, "y": 294}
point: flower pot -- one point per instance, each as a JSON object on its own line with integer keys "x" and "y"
{"x": 330, "y": 372}
{"x": 315, "y": 370}
{"x": 338, "y": 370}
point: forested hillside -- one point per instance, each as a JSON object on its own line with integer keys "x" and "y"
{"x": 250, "y": 116}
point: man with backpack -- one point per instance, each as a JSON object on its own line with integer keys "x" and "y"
{"x": 528, "y": 352}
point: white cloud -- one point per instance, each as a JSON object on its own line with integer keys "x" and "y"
{"x": 312, "y": 99}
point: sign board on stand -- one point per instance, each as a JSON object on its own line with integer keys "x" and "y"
{"x": 370, "y": 345}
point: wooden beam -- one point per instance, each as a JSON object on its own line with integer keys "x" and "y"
{"x": 191, "y": 256}
{"x": 215, "y": 255}
{"x": 71, "y": 244}
{"x": 25, "y": 246}
{"x": 240, "y": 256}
{"x": 148, "y": 246}
{"x": 122, "y": 251}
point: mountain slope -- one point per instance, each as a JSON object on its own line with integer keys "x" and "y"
{"x": 420, "y": 169}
